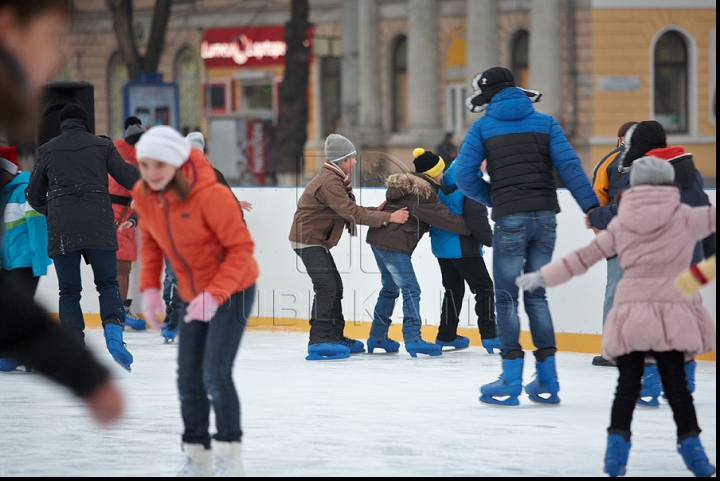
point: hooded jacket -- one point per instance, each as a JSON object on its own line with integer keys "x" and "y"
{"x": 325, "y": 208}
{"x": 24, "y": 229}
{"x": 121, "y": 198}
{"x": 69, "y": 185}
{"x": 522, "y": 147}
{"x": 205, "y": 239}
{"x": 418, "y": 193}
{"x": 654, "y": 235}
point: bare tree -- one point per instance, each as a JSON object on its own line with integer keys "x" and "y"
{"x": 122, "y": 13}
{"x": 291, "y": 133}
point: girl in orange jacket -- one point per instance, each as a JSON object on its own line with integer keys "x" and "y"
{"x": 184, "y": 214}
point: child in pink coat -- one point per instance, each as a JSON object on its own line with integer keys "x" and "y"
{"x": 653, "y": 235}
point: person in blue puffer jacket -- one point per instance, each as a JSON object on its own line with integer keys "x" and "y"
{"x": 461, "y": 260}
{"x": 523, "y": 148}
{"x": 24, "y": 250}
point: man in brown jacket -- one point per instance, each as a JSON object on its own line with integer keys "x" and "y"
{"x": 393, "y": 246}
{"x": 326, "y": 207}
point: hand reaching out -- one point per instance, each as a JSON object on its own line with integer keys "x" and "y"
{"x": 400, "y": 216}
{"x": 245, "y": 205}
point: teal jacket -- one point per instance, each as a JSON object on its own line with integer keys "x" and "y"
{"x": 25, "y": 234}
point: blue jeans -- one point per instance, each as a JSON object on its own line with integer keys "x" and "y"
{"x": 206, "y": 354}
{"x": 104, "y": 266}
{"x": 522, "y": 242}
{"x": 614, "y": 274}
{"x": 396, "y": 274}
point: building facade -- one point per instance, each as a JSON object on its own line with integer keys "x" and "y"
{"x": 393, "y": 74}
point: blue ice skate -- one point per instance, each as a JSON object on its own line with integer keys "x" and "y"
{"x": 8, "y": 365}
{"x": 114, "y": 342}
{"x": 134, "y": 322}
{"x": 388, "y": 345}
{"x": 689, "y": 377}
{"x": 422, "y": 347}
{"x": 169, "y": 334}
{"x": 325, "y": 351}
{"x": 616, "y": 455}
{"x": 695, "y": 459}
{"x": 505, "y": 391}
{"x": 544, "y": 388}
{"x": 353, "y": 345}
{"x": 491, "y": 344}
{"x": 460, "y": 342}
{"x": 651, "y": 387}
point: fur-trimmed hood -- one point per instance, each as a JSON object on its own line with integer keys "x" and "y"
{"x": 404, "y": 183}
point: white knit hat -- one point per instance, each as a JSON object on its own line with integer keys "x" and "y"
{"x": 165, "y": 144}
{"x": 196, "y": 139}
{"x": 651, "y": 170}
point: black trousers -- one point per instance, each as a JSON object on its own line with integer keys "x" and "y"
{"x": 455, "y": 273}
{"x": 671, "y": 366}
{"x": 326, "y": 318}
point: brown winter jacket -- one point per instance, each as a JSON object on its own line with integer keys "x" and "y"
{"x": 325, "y": 207}
{"x": 418, "y": 193}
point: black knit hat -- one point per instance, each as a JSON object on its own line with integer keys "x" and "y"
{"x": 640, "y": 139}
{"x": 427, "y": 162}
{"x": 132, "y": 120}
{"x": 489, "y": 83}
{"x": 74, "y": 111}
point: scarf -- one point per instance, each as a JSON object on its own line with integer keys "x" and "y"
{"x": 350, "y": 226}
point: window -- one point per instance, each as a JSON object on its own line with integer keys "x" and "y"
{"x": 399, "y": 84}
{"x": 216, "y": 98}
{"x": 187, "y": 77}
{"x": 455, "y": 110}
{"x": 519, "y": 49}
{"x": 257, "y": 97}
{"x": 330, "y": 97}
{"x": 671, "y": 82}
{"x": 117, "y": 78}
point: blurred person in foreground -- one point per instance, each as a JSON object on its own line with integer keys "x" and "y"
{"x": 30, "y": 53}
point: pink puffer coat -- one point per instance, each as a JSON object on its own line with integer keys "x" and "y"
{"x": 653, "y": 235}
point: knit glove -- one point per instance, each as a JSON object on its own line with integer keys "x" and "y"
{"x": 530, "y": 281}
{"x": 690, "y": 280}
{"x": 153, "y": 305}
{"x": 202, "y": 308}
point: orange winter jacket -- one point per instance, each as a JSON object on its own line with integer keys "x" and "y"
{"x": 205, "y": 237}
{"x": 127, "y": 245}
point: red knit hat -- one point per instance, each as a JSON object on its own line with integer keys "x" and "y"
{"x": 8, "y": 159}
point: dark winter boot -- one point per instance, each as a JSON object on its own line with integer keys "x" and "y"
{"x": 616, "y": 455}
{"x": 544, "y": 388}
{"x": 114, "y": 342}
{"x": 695, "y": 459}
{"x": 651, "y": 387}
{"x": 505, "y": 391}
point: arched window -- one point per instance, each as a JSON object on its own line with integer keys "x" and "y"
{"x": 671, "y": 82}
{"x": 519, "y": 58}
{"x": 187, "y": 77}
{"x": 117, "y": 77}
{"x": 399, "y": 84}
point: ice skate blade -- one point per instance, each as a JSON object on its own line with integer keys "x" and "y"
{"x": 652, "y": 403}
{"x": 383, "y": 353}
{"x": 414, "y": 353}
{"x": 318, "y": 357}
{"x": 507, "y": 401}
{"x": 127, "y": 368}
{"x": 611, "y": 468}
{"x": 552, "y": 400}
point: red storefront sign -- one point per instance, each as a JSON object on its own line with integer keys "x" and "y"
{"x": 255, "y": 148}
{"x": 244, "y": 47}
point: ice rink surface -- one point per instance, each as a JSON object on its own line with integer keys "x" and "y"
{"x": 370, "y": 415}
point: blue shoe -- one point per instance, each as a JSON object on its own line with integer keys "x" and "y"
{"x": 544, "y": 388}
{"x": 460, "y": 342}
{"x": 8, "y": 365}
{"x": 490, "y": 344}
{"x": 616, "y": 455}
{"x": 323, "y": 351}
{"x": 651, "y": 387}
{"x": 114, "y": 342}
{"x": 169, "y": 334}
{"x": 353, "y": 345}
{"x": 387, "y": 344}
{"x": 695, "y": 459}
{"x": 422, "y": 347}
{"x": 134, "y": 322}
{"x": 505, "y": 391}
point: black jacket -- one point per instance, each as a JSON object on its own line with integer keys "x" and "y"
{"x": 69, "y": 185}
